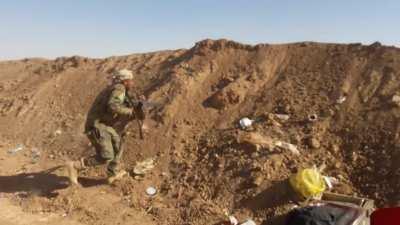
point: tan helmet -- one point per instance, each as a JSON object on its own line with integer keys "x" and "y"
{"x": 123, "y": 74}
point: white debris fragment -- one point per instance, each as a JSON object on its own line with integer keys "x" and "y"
{"x": 331, "y": 181}
{"x": 292, "y": 148}
{"x": 18, "y": 148}
{"x": 341, "y": 99}
{"x": 233, "y": 220}
{"x": 283, "y": 117}
{"x": 245, "y": 122}
{"x": 249, "y": 222}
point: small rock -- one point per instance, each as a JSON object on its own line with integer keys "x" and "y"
{"x": 287, "y": 146}
{"x": 276, "y": 160}
{"x": 354, "y": 156}
{"x": 344, "y": 189}
{"x": 314, "y": 143}
{"x": 255, "y": 155}
{"x": 57, "y": 132}
{"x": 396, "y": 100}
{"x": 276, "y": 123}
{"x": 258, "y": 180}
{"x": 331, "y": 112}
{"x": 335, "y": 148}
{"x": 282, "y": 117}
{"x": 255, "y": 166}
{"x": 341, "y": 177}
{"x": 341, "y": 99}
{"x": 255, "y": 139}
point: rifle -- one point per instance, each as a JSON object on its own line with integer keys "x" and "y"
{"x": 134, "y": 104}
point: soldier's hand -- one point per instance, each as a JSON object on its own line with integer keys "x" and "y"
{"x": 132, "y": 112}
{"x": 139, "y": 112}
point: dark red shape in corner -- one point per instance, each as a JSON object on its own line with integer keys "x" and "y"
{"x": 386, "y": 216}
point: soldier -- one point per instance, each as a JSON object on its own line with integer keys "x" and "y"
{"x": 105, "y": 124}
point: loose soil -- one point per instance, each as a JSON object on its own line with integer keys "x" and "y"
{"x": 205, "y": 165}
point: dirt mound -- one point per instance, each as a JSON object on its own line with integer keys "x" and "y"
{"x": 203, "y": 166}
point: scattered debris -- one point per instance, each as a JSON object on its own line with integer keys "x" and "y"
{"x": 312, "y": 118}
{"x": 292, "y": 148}
{"x": 245, "y": 123}
{"x": 151, "y": 191}
{"x": 18, "y": 148}
{"x": 143, "y": 167}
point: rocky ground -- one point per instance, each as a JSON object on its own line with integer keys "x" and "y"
{"x": 205, "y": 166}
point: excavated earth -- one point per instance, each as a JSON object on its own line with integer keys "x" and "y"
{"x": 205, "y": 166}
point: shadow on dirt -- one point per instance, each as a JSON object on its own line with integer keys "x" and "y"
{"x": 42, "y": 183}
{"x": 90, "y": 182}
{"x": 276, "y": 195}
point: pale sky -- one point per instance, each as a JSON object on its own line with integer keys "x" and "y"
{"x": 101, "y": 28}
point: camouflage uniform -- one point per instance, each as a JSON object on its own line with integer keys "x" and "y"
{"x": 105, "y": 125}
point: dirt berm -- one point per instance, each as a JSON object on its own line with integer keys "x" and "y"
{"x": 204, "y": 165}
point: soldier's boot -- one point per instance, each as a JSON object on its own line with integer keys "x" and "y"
{"x": 72, "y": 171}
{"x": 117, "y": 176}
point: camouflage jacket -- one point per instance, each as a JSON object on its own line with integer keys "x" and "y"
{"x": 110, "y": 108}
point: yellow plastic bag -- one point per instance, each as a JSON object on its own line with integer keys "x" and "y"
{"x": 308, "y": 182}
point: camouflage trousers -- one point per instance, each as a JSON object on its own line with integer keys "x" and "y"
{"x": 107, "y": 143}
